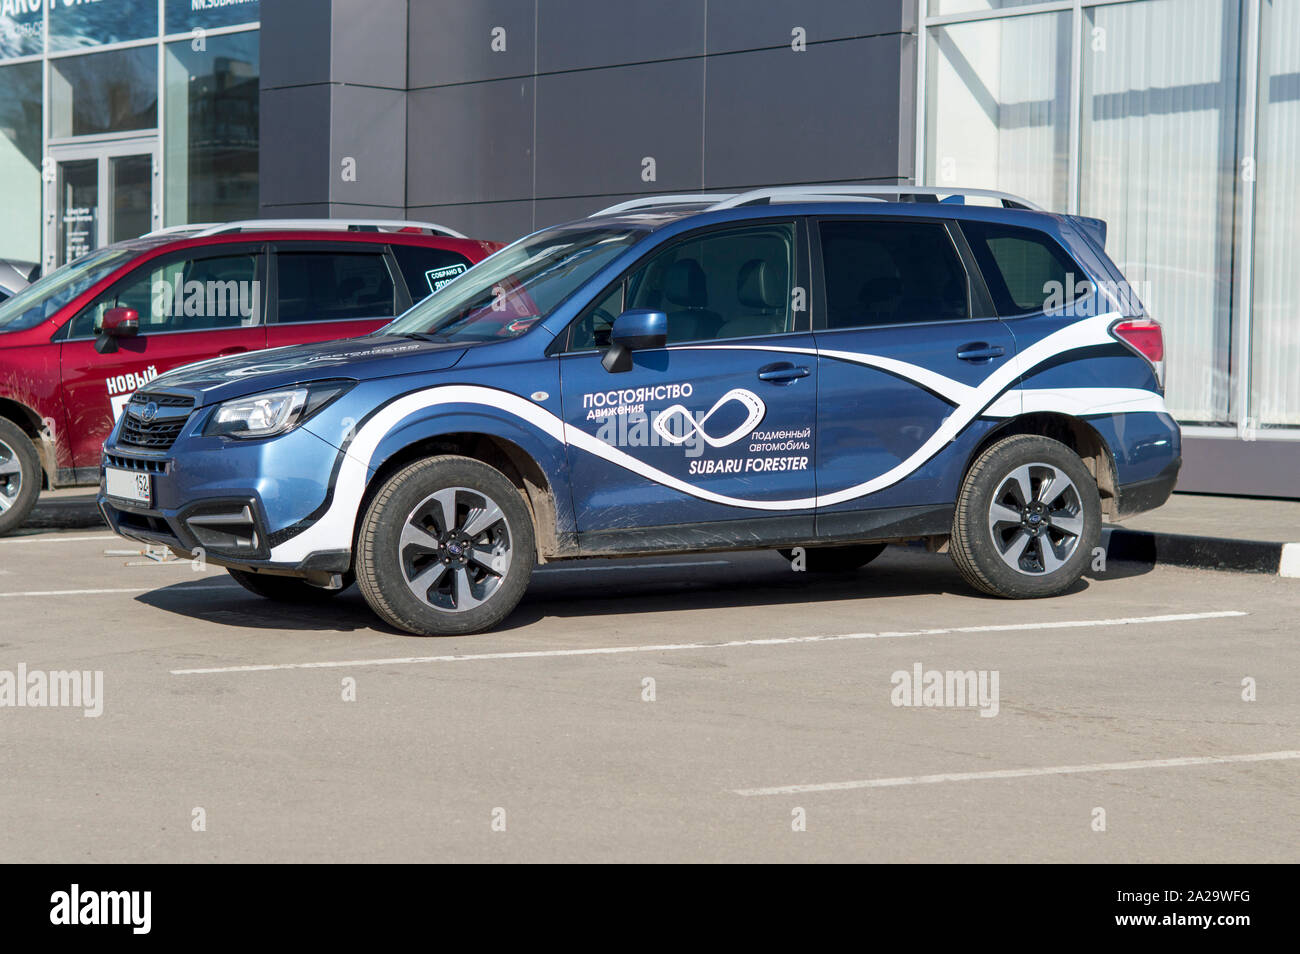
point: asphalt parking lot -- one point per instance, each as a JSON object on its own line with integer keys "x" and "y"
{"x": 773, "y": 703}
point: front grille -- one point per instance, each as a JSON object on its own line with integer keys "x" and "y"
{"x": 169, "y": 412}
{"x": 139, "y": 464}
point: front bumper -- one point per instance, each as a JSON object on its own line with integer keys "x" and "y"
{"x": 227, "y": 502}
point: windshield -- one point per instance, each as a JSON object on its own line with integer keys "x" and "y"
{"x": 42, "y": 299}
{"x": 507, "y": 293}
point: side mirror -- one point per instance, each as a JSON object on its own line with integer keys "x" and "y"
{"x": 635, "y": 329}
{"x": 116, "y": 323}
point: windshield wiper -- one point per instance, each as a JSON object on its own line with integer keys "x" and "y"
{"x": 423, "y": 336}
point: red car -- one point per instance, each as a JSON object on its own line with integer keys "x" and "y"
{"x": 77, "y": 343}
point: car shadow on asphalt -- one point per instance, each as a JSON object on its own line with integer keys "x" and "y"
{"x": 617, "y": 588}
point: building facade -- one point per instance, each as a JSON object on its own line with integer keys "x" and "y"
{"x": 1176, "y": 121}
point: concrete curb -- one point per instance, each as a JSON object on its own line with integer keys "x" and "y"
{"x": 1205, "y": 553}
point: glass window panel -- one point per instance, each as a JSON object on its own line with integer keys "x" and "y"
{"x": 78, "y": 208}
{"x": 82, "y": 24}
{"x": 183, "y": 15}
{"x": 1275, "y": 330}
{"x": 998, "y": 113}
{"x": 20, "y": 162}
{"x": 1159, "y": 148}
{"x": 887, "y": 273}
{"x": 22, "y": 29}
{"x": 130, "y": 190}
{"x": 212, "y": 134}
{"x": 333, "y": 286}
{"x": 102, "y": 93}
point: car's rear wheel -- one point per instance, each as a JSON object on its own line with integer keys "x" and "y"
{"x": 1027, "y": 519}
{"x": 836, "y": 559}
{"x": 445, "y": 548}
{"x": 285, "y": 589}
{"x": 20, "y": 476}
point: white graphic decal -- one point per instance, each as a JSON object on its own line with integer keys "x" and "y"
{"x": 751, "y": 401}
{"x": 334, "y": 529}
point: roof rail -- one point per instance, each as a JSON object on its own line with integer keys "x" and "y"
{"x": 174, "y": 229}
{"x": 340, "y": 225}
{"x": 904, "y": 193}
{"x": 653, "y": 201}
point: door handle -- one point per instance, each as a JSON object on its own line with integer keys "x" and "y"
{"x": 980, "y": 352}
{"x": 782, "y": 371}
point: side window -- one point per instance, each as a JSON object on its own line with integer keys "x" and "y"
{"x": 188, "y": 294}
{"x": 891, "y": 272}
{"x": 334, "y": 286}
{"x": 592, "y": 329}
{"x": 428, "y": 269}
{"x": 1025, "y": 270}
{"x": 728, "y": 284}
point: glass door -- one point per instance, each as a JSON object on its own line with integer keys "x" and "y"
{"x": 100, "y": 193}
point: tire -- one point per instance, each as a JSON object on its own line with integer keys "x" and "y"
{"x": 445, "y": 548}
{"x": 837, "y": 559}
{"x": 20, "y": 476}
{"x": 1008, "y": 546}
{"x": 285, "y": 589}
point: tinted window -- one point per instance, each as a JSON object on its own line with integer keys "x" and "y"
{"x": 593, "y": 328}
{"x": 428, "y": 269}
{"x": 885, "y": 273}
{"x": 185, "y": 294}
{"x": 1025, "y": 270}
{"x": 730, "y": 284}
{"x": 334, "y": 286}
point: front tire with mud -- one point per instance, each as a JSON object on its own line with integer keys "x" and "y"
{"x": 445, "y": 548}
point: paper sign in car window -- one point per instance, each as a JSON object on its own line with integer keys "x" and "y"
{"x": 437, "y": 277}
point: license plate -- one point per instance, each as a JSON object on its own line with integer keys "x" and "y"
{"x": 128, "y": 485}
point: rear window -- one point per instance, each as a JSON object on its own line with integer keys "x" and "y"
{"x": 1025, "y": 270}
{"x": 428, "y": 269}
{"x": 882, "y": 272}
{"x": 334, "y": 286}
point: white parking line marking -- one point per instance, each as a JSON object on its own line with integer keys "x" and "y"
{"x": 733, "y": 644}
{"x": 629, "y": 566}
{"x": 36, "y": 539}
{"x": 128, "y": 589}
{"x": 1018, "y": 773}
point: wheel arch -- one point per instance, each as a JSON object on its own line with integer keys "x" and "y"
{"x": 540, "y": 486}
{"x": 1075, "y": 433}
{"x": 30, "y": 423}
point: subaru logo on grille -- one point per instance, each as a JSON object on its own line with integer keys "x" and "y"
{"x": 149, "y": 413}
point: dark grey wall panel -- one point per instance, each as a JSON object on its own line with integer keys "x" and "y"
{"x": 594, "y": 127}
{"x": 748, "y": 25}
{"x": 580, "y": 34}
{"x": 499, "y": 221}
{"x": 294, "y": 163}
{"x": 294, "y": 42}
{"x": 451, "y": 40}
{"x": 1225, "y": 465}
{"x": 368, "y": 125}
{"x": 826, "y": 114}
{"x": 470, "y": 143}
{"x": 369, "y": 41}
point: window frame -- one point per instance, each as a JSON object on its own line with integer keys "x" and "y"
{"x": 195, "y": 253}
{"x": 802, "y": 277}
{"x": 401, "y": 295}
{"x": 978, "y": 301}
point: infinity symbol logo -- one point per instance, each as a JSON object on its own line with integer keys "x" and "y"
{"x": 751, "y": 401}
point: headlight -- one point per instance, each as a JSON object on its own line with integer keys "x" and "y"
{"x": 275, "y": 412}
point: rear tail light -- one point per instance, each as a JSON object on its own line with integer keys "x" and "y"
{"x": 1144, "y": 336}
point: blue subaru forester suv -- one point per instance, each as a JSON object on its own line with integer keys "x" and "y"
{"x": 832, "y": 368}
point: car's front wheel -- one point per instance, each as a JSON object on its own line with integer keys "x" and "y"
{"x": 445, "y": 548}
{"x": 20, "y": 476}
{"x": 1027, "y": 519}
